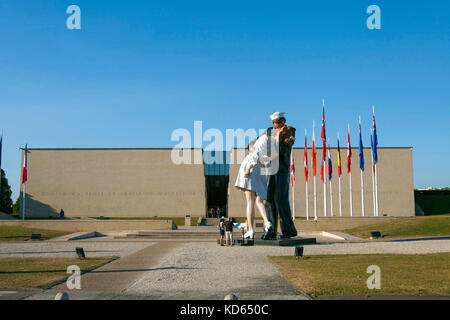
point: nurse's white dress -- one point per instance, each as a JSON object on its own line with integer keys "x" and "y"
{"x": 258, "y": 161}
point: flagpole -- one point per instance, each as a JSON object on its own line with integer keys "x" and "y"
{"x": 376, "y": 173}
{"x": 293, "y": 184}
{"x": 350, "y": 176}
{"x": 306, "y": 180}
{"x": 331, "y": 186}
{"x": 324, "y": 169}
{"x": 376, "y": 190}
{"x": 351, "y": 200}
{"x": 373, "y": 178}
{"x": 307, "y": 201}
{"x": 340, "y": 198}
{"x": 24, "y": 197}
{"x": 324, "y": 188}
{"x": 315, "y": 187}
{"x": 362, "y": 193}
{"x": 315, "y": 199}
{"x": 362, "y": 174}
{"x": 331, "y": 198}
{"x": 24, "y": 184}
{"x": 293, "y": 201}
{"x": 339, "y": 179}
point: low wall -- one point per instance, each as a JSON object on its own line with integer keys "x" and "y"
{"x": 93, "y": 225}
{"x": 340, "y": 223}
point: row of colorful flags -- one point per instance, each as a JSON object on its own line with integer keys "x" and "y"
{"x": 373, "y": 143}
{"x": 326, "y": 161}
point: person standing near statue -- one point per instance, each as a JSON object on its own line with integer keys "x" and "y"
{"x": 228, "y": 232}
{"x": 221, "y": 230}
{"x": 278, "y": 188}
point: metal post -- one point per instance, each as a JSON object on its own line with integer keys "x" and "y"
{"x": 331, "y": 197}
{"x": 324, "y": 187}
{"x": 351, "y": 200}
{"x": 24, "y": 195}
{"x": 340, "y": 198}
{"x": 23, "y": 200}
{"x": 307, "y": 201}
{"x": 376, "y": 192}
{"x": 373, "y": 186}
{"x": 315, "y": 199}
{"x": 293, "y": 202}
{"x": 362, "y": 193}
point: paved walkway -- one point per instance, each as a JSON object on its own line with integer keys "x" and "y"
{"x": 195, "y": 270}
{"x": 208, "y": 271}
{"x": 58, "y": 249}
{"x": 117, "y": 275}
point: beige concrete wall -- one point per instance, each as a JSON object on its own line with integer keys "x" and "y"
{"x": 146, "y": 183}
{"x": 113, "y": 183}
{"x": 92, "y": 225}
{"x": 395, "y": 184}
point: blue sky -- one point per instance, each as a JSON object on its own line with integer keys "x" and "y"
{"x": 137, "y": 70}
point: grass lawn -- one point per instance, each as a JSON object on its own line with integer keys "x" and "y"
{"x": 8, "y": 233}
{"x": 418, "y": 226}
{"x": 346, "y": 274}
{"x": 42, "y": 273}
{"x": 179, "y": 222}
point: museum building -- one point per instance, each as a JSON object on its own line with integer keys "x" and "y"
{"x": 146, "y": 182}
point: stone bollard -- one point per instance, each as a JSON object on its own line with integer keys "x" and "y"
{"x": 62, "y": 296}
{"x": 230, "y": 297}
{"x": 187, "y": 220}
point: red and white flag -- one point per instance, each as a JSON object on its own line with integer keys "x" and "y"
{"x": 25, "y": 165}
{"x": 349, "y": 152}
{"x": 313, "y": 151}
{"x": 305, "y": 160}
{"x": 324, "y": 146}
{"x": 292, "y": 172}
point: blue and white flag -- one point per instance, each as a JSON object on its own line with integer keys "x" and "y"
{"x": 361, "y": 150}
{"x": 330, "y": 167}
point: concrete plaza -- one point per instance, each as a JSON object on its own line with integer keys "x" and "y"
{"x": 189, "y": 269}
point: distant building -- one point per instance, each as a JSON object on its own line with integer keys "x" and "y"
{"x": 428, "y": 188}
{"x": 146, "y": 183}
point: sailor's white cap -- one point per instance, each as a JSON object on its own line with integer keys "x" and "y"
{"x": 276, "y": 115}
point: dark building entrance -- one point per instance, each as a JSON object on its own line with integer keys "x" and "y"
{"x": 216, "y": 196}
{"x": 217, "y": 176}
